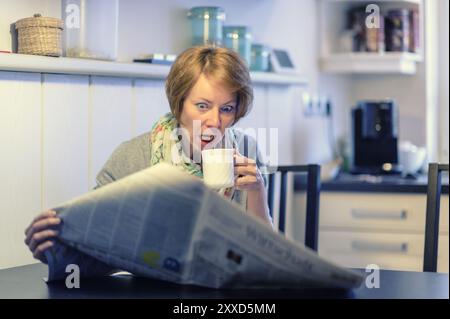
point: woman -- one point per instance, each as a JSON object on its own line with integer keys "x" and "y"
{"x": 209, "y": 90}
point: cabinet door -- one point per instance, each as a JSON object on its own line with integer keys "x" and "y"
{"x": 359, "y": 249}
{"x": 65, "y": 137}
{"x": 443, "y": 263}
{"x": 150, "y": 104}
{"x": 387, "y": 250}
{"x": 399, "y": 212}
{"x": 110, "y": 122}
{"x": 20, "y": 169}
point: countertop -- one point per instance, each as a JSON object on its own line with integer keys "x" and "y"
{"x": 374, "y": 184}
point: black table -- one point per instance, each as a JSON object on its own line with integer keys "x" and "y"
{"x": 27, "y": 282}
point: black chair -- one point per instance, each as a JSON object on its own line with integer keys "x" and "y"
{"x": 312, "y": 199}
{"x": 432, "y": 216}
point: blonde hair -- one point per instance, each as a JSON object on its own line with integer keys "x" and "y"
{"x": 221, "y": 64}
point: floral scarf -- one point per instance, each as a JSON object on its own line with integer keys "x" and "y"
{"x": 166, "y": 147}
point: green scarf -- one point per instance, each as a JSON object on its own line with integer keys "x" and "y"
{"x": 166, "y": 147}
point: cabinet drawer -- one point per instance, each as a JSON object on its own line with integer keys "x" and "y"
{"x": 389, "y": 251}
{"x": 378, "y": 211}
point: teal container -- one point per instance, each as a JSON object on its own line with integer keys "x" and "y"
{"x": 260, "y": 58}
{"x": 207, "y": 25}
{"x": 239, "y": 39}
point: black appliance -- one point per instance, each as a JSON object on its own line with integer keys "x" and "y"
{"x": 375, "y": 138}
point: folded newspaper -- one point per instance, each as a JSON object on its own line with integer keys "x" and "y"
{"x": 166, "y": 224}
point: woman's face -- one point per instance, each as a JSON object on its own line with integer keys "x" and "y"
{"x": 213, "y": 107}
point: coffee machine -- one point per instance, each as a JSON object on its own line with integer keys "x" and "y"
{"x": 375, "y": 138}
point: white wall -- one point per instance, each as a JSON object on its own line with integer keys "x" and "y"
{"x": 444, "y": 79}
{"x": 411, "y": 106}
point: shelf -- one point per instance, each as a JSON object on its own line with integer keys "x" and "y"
{"x": 278, "y": 79}
{"x": 371, "y": 63}
{"x": 43, "y": 64}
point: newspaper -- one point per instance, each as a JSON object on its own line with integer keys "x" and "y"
{"x": 166, "y": 224}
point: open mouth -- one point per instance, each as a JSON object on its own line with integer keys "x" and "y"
{"x": 207, "y": 138}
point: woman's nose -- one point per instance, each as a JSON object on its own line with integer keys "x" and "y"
{"x": 213, "y": 119}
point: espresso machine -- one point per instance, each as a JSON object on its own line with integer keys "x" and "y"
{"x": 375, "y": 138}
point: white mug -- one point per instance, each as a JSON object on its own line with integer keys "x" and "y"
{"x": 218, "y": 167}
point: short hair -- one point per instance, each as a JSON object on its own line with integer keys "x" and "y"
{"x": 221, "y": 64}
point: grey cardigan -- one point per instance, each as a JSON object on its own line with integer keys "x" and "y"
{"x": 134, "y": 155}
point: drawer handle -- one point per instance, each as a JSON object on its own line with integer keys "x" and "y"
{"x": 378, "y": 214}
{"x": 374, "y": 246}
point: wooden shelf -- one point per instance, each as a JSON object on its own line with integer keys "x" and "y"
{"x": 42, "y": 64}
{"x": 371, "y": 63}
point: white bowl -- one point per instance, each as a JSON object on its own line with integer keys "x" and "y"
{"x": 411, "y": 157}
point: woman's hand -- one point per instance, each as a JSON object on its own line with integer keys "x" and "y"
{"x": 40, "y": 233}
{"x": 248, "y": 176}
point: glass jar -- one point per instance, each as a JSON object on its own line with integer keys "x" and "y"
{"x": 206, "y": 24}
{"x": 90, "y": 28}
{"x": 239, "y": 39}
{"x": 398, "y": 30}
{"x": 260, "y": 58}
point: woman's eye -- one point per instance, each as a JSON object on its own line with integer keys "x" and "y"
{"x": 227, "y": 109}
{"x": 202, "y": 106}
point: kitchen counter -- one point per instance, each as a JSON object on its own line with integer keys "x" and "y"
{"x": 373, "y": 184}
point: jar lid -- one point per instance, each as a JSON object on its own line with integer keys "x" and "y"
{"x": 237, "y": 32}
{"x": 260, "y": 47}
{"x": 398, "y": 12}
{"x": 207, "y": 13}
{"x": 39, "y": 21}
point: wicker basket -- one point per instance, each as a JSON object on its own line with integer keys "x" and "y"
{"x": 40, "y": 35}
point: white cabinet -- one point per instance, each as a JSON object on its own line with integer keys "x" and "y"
{"x": 20, "y": 164}
{"x": 388, "y": 250}
{"x": 65, "y": 137}
{"x": 357, "y": 229}
{"x": 110, "y": 120}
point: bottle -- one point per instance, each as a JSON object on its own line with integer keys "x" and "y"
{"x": 239, "y": 39}
{"x": 91, "y": 28}
{"x": 398, "y": 30}
{"x": 207, "y": 25}
{"x": 260, "y": 58}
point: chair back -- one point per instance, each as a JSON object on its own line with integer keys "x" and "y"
{"x": 312, "y": 199}
{"x": 430, "y": 255}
